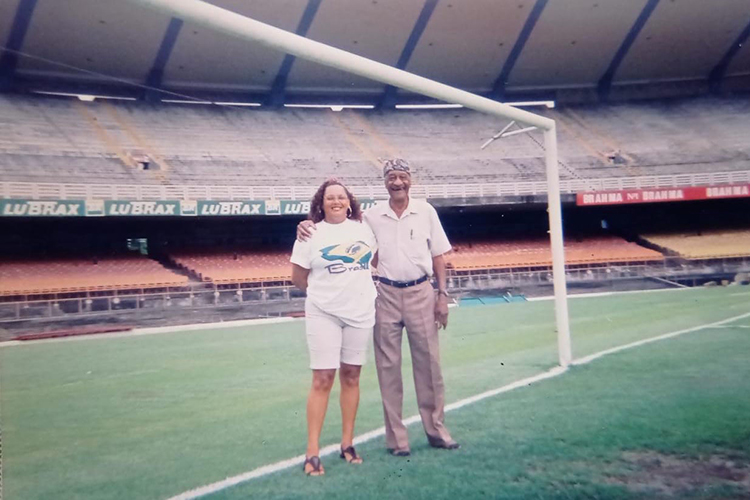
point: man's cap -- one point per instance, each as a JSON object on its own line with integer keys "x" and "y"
{"x": 398, "y": 164}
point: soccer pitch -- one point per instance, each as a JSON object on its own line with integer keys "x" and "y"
{"x": 153, "y": 416}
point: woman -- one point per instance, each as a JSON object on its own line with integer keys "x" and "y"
{"x": 333, "y": 267}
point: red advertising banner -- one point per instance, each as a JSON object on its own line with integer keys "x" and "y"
{"x": 656, "y": 195}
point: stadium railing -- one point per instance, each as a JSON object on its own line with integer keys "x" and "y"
{"x": 36, "y": 191}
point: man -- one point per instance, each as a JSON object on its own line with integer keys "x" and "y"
{"x": 411, "y": 244}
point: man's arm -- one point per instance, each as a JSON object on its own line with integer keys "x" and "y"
{"x": 439, "y": 246}
{"x": 441, "y": 304}
{"x": 299, "y": 277}
{"x": 305, "y": 230}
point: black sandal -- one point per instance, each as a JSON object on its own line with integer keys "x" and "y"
{"x": 317, "y": 467}
{"x": 352, "y": 452}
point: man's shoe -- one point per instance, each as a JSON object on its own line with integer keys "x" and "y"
{"x": 399, "y": 453}
{"x": 439, "y": 443}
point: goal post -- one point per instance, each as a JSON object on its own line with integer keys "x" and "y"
{"x": 238, "y": 26}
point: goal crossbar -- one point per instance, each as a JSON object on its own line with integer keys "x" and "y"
{"x": 238, "y": 26}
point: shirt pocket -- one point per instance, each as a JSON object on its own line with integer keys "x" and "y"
{"x": 418, "y": 241}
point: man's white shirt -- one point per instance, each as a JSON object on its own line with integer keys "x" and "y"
{"x": 407, "y": 245}
{"x": 340, "y": 281}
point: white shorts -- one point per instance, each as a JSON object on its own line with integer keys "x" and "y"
{"x": 332, "y": 342}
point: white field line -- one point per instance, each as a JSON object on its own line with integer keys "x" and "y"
{"x": 334, "y": 448}
{"x": 592, "y": 357}
{"x": 608, "y": 294}
{"x": 218, "y": 324}
{"x": 663, "y": 280}
{"x": 369, "y": 436}
{"x": 136, "y": 332}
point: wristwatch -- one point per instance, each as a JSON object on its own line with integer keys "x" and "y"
{"x": 443, "y": 292}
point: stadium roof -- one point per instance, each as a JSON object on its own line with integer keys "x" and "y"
{"x": 568, "y": 50}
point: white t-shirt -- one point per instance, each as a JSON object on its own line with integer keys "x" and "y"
{"x": 340, "y": 281}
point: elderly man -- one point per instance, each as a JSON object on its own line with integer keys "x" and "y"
{"x": 411, "y": 244}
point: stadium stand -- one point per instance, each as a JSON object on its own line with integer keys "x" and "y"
{"x": 714, "y": 244}
{"x": 663, "y": 137}
{"x": 536, "y": 253}
{"x": 51, "y": 140}
{"x": 35, "y": 277}
{"x": 273, "y": 266}
{"x": 236, "y": 267}
{"x": 46, "y": 139}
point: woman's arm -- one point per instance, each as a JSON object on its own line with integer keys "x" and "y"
{"x": 299, "y": 277}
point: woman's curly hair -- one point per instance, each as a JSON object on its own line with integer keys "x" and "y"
{"x": 316, "y": 205}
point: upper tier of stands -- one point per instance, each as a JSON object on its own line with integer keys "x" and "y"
{"x": 31, "y": 277}
{"x": 714, "y": 244}
{"x": 63, "y": 140}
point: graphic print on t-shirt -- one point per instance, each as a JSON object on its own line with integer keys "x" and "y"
{"x": 357, "y": 253}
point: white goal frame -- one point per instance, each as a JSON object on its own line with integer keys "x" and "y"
{"x": 236, "y": 25}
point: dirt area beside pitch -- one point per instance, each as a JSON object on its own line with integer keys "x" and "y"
{"x": 678, "y": 476}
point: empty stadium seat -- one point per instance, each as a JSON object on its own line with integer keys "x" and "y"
{"x": 267, "y": 266}
{"x": 537, "y": 253}
{"x": 236, "y": 267}
{"x": 34, "y": 277}
{"x": 713, "y": 244}
{"x": 63, "y": 140}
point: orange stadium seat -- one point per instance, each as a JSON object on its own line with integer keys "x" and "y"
{"x": 537, "y": 253}
{"x": 22, "y": 277}
{"x": 718, "y": 244}
{"x": 248, "y": 267}
{"x": 237, "y": 267}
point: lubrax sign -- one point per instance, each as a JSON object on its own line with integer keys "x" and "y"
{"x": 42, "y": 208}
{"x": 140, "y": 208}
{"x": 662, "y": 194}
{"x": 227, "y": 208}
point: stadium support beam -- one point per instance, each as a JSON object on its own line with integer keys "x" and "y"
{"x": 18, "y": 30}
{"x": 233, "y": 24}
{"x": 717, "y": 74}
{"x": 389, "y": 96}
{"x": 236, "y": 25}
{"x": 278, "y": 90}
{"x": 498, "y": 89}
{"x": 156, "y": 75}
{"x": 605, "y": 82}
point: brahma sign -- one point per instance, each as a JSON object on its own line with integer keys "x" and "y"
{"x": 662, "y": 194}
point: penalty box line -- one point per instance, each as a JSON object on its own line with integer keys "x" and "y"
{"x": 369, "y": 436}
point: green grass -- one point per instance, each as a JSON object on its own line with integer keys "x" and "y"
{"x": 151, "y": 416}
{"x": 565, "y": 437}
